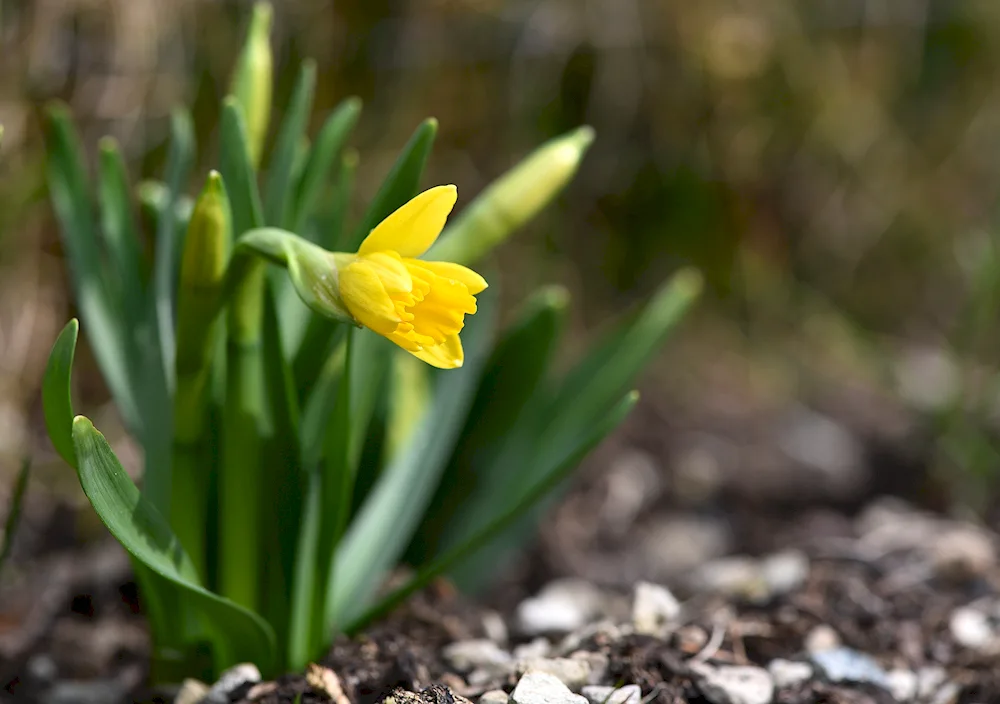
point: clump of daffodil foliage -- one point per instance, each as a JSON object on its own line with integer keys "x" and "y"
{"x": 317, "y": 402}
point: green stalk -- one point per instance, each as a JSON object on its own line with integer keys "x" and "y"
{"x": 202, "y": 274}
{"x": 241, "y": 476}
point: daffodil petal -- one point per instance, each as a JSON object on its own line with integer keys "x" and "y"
{"x": 448, "y": 270}
{"x": 366, "y": 298}
{"x": 448, "y": 355}
{"x": 391, "y": 271}
{"x": 412, "y": 229}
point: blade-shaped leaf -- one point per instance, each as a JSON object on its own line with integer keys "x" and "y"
{"x": 512, "y": 378}
{"x": 57, "y": 404}
{"x": 401, "y": 183}
{"x": 120, "y": 234}
{"x": 612, "y": 366}
{"x": 237, "y": 170}
{"x": 323, "y": 155}
{"x": 69, "y": 189}
{"x": 239, "y": 634}
{"x": 14, "y": 510}
{"x": 293, "y": 127}
{"x": 470, "y": 544}
{"x": 168, "y": 246}
{"x": 373, "y": 544}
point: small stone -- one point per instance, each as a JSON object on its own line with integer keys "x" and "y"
{"x": 562, "y": 606}
{"x": 598, "y": 663}
{"x": 673, "y": 546}
{"x": 466, "y": 655}
{"x": 543, "y": 688}
{"x": 323, "y": 679}
{"x": 962, "y": 553}
{"x": 536, "y": 648}
{"x": 947, "y": 694}
{"x": 788, "y": 673}
{"x": 654, "y": 609}
{"x": 902, "y": 684}
{"x": 493, "y": 696}
{"x": 822, "y": 638}
{"x": 737, "y": 576}
{"x": 572, "y": 672}
{"x": 784, "y": 572}
{"x": 191, "y": 692}
{"x": 822, "y": 444}
{"x": 74, "y": 692}
{"x": 597, "y": 694}
{"x": 974, "y": 629}
{"x": 574, "y": 640}
{"x": 690, "y": 639}
{"x": 847, "y": 665}
{"x": 734, "y": 684}
{"x": 42, "y": 668}
{"x": 495, "y": 627}
{"x": 929, "y": 680}
{"x": 230, "y": 681}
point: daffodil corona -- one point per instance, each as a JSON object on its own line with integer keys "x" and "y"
{"x": 420, "y": 306}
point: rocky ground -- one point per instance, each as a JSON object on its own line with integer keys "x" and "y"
{"x": 665, "y": 576}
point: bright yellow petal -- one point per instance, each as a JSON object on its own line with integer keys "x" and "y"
{"x": 447, "y": 355}
{"x": 412, "y": 229}
{"x": 366, "y": 298}
{"x": 448, "y": 270}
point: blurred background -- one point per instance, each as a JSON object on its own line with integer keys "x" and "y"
{"x": 832, "y": 166}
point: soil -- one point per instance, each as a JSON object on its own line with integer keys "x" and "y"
{"x": 71, "y": 615}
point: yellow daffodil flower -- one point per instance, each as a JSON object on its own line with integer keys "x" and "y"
{"x": 420, "y": 306}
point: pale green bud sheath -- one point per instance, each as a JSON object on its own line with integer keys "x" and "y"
{"x": 253, "y": 79}
{"x": 513, "y": 199}
{"x": 203, "y": 269}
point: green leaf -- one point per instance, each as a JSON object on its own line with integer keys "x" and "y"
{"x": 470, "y": 544}
{"x": 237, "y": 170}
{"x": 612, "y": 366}
{"x": 329, "y": 143}
{"x": 512, "y": 378}
{"x": 279, "y": 175}
{"x": 14, "y": 509}
{"x": 69, "y": 189}
{"x": 238, "y": 634}
{"x": 57, "y": 404}
{"x": 120, "y": 234}
{"x": 373, "y": 544}
{"x": 168, "y": 244}
{"x": 400, "y": 184}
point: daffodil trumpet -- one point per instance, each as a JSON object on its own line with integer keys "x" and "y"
{"x": 384, "y": 286}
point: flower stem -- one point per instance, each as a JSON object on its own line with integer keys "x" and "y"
{"x": 243, "y": 417}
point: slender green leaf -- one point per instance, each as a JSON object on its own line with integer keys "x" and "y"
{"x": 511, "y": 380}
{"x": 472, "y": 543}
{"x": 293, "y": 127}
{"x": 57, "y": 405}
{"x": 237, "y": 170}
{"x": 401, "y": 183}
{"x": 120, "y": 234}
{"x": 373, "y": 544}
{"x": 613, "y": 364}
{"x": 69, "y": 189}
{"x": 238, "y": 634}
{"x": 329, "y": 143}
{"x": 168, "y": 246}
{"x": 14, "y": 510}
